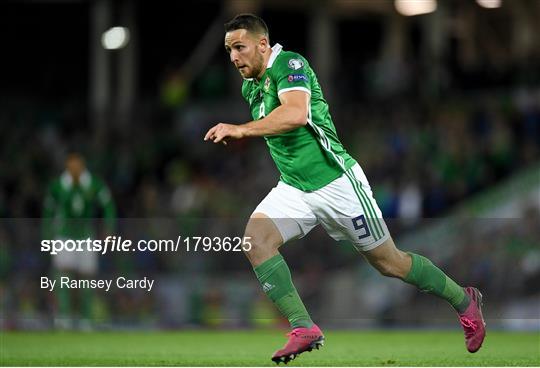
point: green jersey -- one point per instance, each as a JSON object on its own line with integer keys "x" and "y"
{"x": 311, "y": 156}
{"x": 69, "y": 206}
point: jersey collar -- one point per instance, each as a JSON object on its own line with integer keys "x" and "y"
{"x": 276, "y": 49}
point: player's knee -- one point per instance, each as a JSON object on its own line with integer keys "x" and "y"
{"x": 260, "y": 240}
{"x": 262, "y": 235}
{"x": 263, "y": 246}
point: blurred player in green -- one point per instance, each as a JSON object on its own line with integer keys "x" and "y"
{"x": 320, "y": 183}
{"x": 73, "y": 202}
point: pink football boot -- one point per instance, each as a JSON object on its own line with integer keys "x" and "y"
{"x": 300, "y": 339}
{"x": 472, "y": 321}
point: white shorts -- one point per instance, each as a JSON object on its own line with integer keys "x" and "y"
{"x": 84, "y": 262}
{"x": 345, "y": 208}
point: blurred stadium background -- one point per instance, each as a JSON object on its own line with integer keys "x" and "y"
{"x": 441, "y": 109}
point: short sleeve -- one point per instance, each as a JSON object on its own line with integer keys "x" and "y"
{"x": 291, "y": 73}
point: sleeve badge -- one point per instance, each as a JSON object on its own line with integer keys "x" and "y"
{"x": 295, "y": 64}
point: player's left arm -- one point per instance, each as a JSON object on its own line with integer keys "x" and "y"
{"x": 290, "y": 115}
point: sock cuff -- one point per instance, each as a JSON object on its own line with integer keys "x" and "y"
{"x": 267, "y": 267}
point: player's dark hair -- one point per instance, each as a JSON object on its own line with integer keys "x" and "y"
{"x": 249, "y": 22}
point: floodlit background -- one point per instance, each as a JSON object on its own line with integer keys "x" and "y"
{"x": 439, "y": 101}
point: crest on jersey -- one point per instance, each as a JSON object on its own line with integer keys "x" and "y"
{"x": 266, "y": 84}
{"x": 295, "y": 64}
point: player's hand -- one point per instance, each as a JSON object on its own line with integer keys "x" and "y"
{"x": 222, "y": 132}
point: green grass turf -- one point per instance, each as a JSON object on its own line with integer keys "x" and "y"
{"x": 253, "y": 348}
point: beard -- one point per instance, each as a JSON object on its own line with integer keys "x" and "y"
{"x": 256, "y": 66}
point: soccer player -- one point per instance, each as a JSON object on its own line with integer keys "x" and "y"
{"x": 320, "y": 183}
{"x": 72, "y": 201}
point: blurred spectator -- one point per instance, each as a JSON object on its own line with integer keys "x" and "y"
{"x": 71, "y": 203}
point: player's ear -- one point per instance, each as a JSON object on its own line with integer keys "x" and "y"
{"x": 263, "y": 44}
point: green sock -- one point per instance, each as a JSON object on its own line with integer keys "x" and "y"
{"x": 86, "y": 303}
{"x": 63, "y": 296}
{"x": 430, "y": 279}
{"x": 275, "y": 278}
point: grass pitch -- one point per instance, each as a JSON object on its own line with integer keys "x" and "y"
{"x": 254, "y": 348}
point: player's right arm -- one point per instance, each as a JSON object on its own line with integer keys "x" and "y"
{"x": 290, "y": 115}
